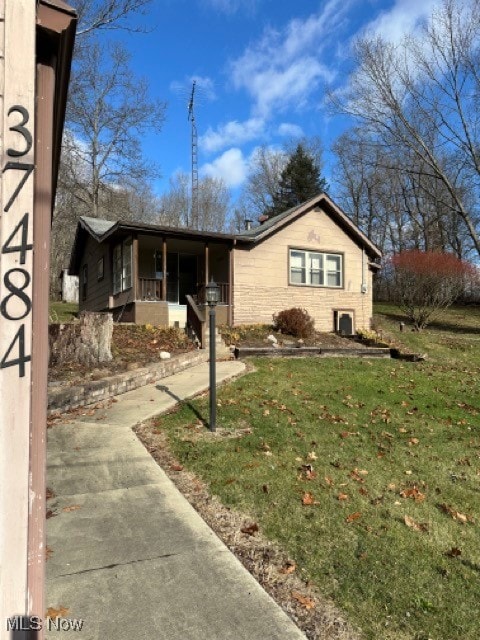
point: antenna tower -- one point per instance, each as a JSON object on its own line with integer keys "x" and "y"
{"x": 194, "y": 217}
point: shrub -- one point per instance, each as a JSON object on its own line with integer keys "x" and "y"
{"x": 295, "y": 322}
{"x": 426, "y": 282}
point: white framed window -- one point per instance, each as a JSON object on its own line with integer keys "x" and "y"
{"x": 315, "y": 269}
{"x": 122, "y": 266}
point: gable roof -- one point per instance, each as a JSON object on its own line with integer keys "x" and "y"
{"x": 323, "y": 201}
{"x": 101, "y": 229}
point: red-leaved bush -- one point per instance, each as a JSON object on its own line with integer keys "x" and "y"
{"x": 426, "y": 282}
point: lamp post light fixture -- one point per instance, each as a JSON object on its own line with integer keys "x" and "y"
{"x": 212, "y": 295}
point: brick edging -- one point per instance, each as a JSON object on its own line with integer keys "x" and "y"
{"x": 95, "y": 391}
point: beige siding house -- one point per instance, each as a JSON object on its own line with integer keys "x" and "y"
{"x": 311, "y": 256}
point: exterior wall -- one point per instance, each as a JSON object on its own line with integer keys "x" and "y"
{"x": 98, "y": 289}
{"x": 155, "y": 313}
{"x": 261, "y": 276}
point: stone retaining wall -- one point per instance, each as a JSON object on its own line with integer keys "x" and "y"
{"x": 95, "y": 391}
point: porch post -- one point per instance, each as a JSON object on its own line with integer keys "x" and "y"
{"x": 135, "y": 267}
{"x": 164, "y": 269}
{"x": 207, "y": 274}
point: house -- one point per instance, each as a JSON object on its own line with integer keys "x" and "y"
{"x": 312, "y": 256}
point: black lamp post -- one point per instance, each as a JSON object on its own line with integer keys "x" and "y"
{"x": 212, "y": 294}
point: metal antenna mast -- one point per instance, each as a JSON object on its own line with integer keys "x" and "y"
{"x": 191, "y": 116}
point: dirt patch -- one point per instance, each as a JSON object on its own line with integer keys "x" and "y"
{"x": 133, "y": 346}
{"x": 318, "y": 617}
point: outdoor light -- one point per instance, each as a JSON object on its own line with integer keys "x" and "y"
{"x": 212, "y": 291}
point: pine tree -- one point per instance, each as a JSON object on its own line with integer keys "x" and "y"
{"x": 299, "y": 181}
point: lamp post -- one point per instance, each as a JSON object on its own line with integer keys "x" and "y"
{"x": 212, "y": 291}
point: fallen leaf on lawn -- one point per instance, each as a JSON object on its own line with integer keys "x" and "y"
{"x": 355, "y": 475}
{"x": 250, "y": 529}
{"x": 61, "y": 612}
{"x": 50, "y": 514}
{"x": 391, "y": 487}
{"x": 73, "y": 507}
{"x": 288, "y": 568}
{"x": 342, "y": 496}
{"x": 329, "y": 481}
{"x": 454, "y": 552}
{"x": 456, "y": 515}
{"x": 312, "y": 455}
{"x": 402, "y": 430}
{"x": 308, "y": 499}
{"x": 408, "y": 473}
{"x": 176, "y": 467}
{"x": 265, "y": 488}
{"x": 266, "y": 412}
{"x": 308, "y": 603}
{"x": 353, "y": 516}
{"x": 416, "y": 526}
{"x": 267, "y": 453}
{"x": 413, "y": 441}
{"x": 363, "y": 491}
{"x": 414, "y": 493}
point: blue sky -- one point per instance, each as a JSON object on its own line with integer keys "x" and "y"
{"x": 261, "y": 67}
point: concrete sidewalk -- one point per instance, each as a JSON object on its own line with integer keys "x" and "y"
{"x": 128, "y": 554}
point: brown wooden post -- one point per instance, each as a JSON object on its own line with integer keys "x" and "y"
{"x": 207, "y": 271}
{"x": 164, "y": 269}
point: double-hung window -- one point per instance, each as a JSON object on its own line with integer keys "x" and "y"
{"x": 316, "y": 269}
{"x": 122, "y": 266}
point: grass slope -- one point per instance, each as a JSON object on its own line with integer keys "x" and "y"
{"x": 367, "y": 473}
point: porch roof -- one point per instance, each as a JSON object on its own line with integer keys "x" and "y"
{"x": 100, "y": 229}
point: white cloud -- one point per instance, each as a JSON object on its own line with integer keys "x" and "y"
{"x": 404, "y": 17}
{"x": 231, "y": 6}
{"x": 231, "y": 133}
{"x": 285, "y": 67}
{"x": 231, "y": 166}
{"x": 290, "y": 130}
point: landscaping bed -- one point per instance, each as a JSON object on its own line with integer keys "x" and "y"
{"x": 133, "y": 347}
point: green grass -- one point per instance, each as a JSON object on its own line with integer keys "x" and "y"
{"x": 62, "y": 312}
{"x": 376, "y": 432}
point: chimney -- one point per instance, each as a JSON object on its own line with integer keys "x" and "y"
{"x": 248, "y": 225}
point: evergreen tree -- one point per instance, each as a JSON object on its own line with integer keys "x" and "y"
{"x": 299, "y": 181}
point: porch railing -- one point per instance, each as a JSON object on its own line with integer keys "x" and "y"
{"x": 195, "y": 321}
{"x": 149, "y": 289}
{"x": 224, "y": 290}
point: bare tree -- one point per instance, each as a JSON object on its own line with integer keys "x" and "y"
{"x": 420, "y": 101}
{"x": 213, "y": 203}
{"x": 106, "y": 14}
{"x": 263, "y": 181}
{"x": 108, "y": 113}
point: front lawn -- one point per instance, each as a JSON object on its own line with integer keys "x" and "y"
{"x": 366, "y": 472}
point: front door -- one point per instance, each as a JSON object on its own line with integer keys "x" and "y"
{"x": 187, "y": 276}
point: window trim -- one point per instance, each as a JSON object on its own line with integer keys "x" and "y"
{"x": 122, "y": 257}
{"x": 84, "y": 282}
{"x": 100, "y": 268}
{"x": 323, "y": 269}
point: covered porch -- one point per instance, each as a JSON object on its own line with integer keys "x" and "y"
{"x": 169, "y": 275}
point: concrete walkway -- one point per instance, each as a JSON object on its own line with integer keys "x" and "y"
{"x": 128, "y": 554}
